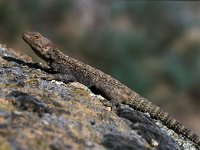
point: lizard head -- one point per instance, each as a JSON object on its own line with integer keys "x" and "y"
{"x": 42, "y": 46}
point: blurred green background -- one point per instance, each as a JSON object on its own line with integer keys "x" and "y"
{"x": 153, "y": 47}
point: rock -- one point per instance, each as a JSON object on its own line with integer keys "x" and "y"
{"x": 38, "y": 113}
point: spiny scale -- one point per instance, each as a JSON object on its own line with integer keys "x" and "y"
{"x": 109, "y": 87}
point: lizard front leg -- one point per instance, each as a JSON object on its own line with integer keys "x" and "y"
{"x": 61, "y": 72}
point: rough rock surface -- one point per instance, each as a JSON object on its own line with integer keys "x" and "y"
{"x": 37, "y": 113}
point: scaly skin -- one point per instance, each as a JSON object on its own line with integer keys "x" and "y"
{"x": 107, "y": 86}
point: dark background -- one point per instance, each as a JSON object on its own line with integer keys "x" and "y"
{"x": 153, "y": 47}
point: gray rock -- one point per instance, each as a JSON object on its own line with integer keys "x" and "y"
{"x": 38, "y": 113}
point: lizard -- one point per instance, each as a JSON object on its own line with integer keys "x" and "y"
{"x": 110, "y": 88}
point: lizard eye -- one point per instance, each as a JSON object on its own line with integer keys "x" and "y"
{"x": 36, "y": 37}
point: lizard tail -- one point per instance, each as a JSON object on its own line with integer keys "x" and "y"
{"x": 146, "y": 106}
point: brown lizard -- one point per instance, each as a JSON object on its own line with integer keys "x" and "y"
{"x": 107, "y": 86}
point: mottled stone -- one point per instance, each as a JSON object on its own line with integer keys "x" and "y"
{"x": 38, "y": 113}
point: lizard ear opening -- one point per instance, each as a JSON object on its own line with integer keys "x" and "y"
{"x": 98, "y": 91}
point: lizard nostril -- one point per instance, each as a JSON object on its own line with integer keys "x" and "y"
{"x": 24, "y": 34}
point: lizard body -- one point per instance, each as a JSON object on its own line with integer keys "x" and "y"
{"x": 107, "y": 86}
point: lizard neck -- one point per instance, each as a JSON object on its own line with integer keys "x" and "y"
{"x": 61, "y": 58}
{"x": 55, "y": 56}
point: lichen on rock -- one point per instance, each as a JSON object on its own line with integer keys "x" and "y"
{"x": 38, "y": 113}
